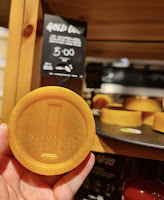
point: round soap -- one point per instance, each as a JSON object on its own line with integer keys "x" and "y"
{"x": 158, "y": 124}
{"x": 121, "y": 117}
{"x": 101, "y": 101}
{"x": 51, "y": 130}
{"x": 146, "y": 105}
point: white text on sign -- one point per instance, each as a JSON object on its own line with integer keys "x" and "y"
{"x": 59, "y": 27}
{"x": 65, "y": 51}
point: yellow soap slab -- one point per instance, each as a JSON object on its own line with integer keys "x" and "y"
{"x": 146, "y": 105}
{"x": 158, "y": 124}
{"x": 148, "y": 118}
{"x": 121, "y": 117}
{"x": 51, "y": 130}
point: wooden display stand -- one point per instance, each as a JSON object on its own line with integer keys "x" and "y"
{"x": 106, "y": 38}
{"x": 106, "y": 145}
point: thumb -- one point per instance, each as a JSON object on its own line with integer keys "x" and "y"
{"x": 69, "y": 184}
{"x": 4, "y": 145}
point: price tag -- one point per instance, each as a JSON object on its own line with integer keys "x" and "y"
{"x": 64, "y": 46}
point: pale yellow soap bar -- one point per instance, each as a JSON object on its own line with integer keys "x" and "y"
{"x": 121, "y": 117}
{"x": 145, "y": 105}
{"x": 51, "y": 130}
{"x": 148, "y": 118}
{"x": 158, "y": 124}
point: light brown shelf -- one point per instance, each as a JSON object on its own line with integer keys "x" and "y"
{"x": 107, "y": 145}
{"x": 109, "y": 139}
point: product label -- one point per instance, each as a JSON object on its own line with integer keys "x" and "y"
{"x": 131, "y": 130}
{"x": 64, "y": 46}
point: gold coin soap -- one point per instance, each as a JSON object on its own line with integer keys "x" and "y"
{"x": 145, "y": 105}
{"x": 121, "y": 117}
{"x": 158, "y": 123}
{"x": 51, "y": 130}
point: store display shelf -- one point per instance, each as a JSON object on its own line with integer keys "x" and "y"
{"x": 147, "y": 138}
{"x": 112, "y": 88}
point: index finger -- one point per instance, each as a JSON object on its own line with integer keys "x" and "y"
{"x": 4, "y": 145}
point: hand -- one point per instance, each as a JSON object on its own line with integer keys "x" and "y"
{"x": 18, "y": 183}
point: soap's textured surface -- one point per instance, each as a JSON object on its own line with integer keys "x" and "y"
{"x": 146, "y": 105}
{"x": 158, "y": 123}
{"x": 121, "y": 117}
{"x": 51, "y": 130}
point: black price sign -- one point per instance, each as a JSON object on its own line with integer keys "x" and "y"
{"x": 104, "y": 181}
{"x": 64, "y": 45}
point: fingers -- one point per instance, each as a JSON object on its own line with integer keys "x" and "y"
{"x": 4, "y": 145}
{"x": 3, "y": 190}
{"x": 67, "y": 186}
{"x": 32, "y": 187}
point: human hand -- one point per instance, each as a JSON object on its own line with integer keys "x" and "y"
{"x": 18, "y": 183}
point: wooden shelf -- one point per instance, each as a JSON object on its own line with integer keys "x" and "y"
{"x": 114, "y": 20}
{"x": 107, "y": 145}
{"x": 116, "y": 29}
{"x": 147, "y": 137}
{"x": 149, "y": 144}
{"x": 126, "y": 49}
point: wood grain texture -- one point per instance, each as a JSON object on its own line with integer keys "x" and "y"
{"x": 106, "y": 145}
{"x": 4, "y": 12}
{"x": 27, "y": 48}
{"x": 133, "y": 50}
{"x": 13, "y": 56}
{"x": 36, "y": 77}
{"x": 114, "y": 20}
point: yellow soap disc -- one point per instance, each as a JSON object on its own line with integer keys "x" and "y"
{"x": 51, "y": 130}
{"x": 101, "y": 101}
{"x": 148, "y": 118}
{"x": 121, "y": 117}
{"x": 146, "y": 105}
{"x": 158, "y": 124}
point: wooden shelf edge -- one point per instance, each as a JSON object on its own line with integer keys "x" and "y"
{"x": 106, "y": 145}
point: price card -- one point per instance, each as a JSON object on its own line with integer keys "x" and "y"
{"x": 64, "y": 46}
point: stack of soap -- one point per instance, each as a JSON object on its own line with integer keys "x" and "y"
{"x": 135, "y": 112}
{"x": 148, "y": 107}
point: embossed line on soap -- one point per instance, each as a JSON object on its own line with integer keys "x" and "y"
{"x": 51, "y": 139}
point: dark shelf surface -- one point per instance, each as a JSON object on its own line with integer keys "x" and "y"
{"x": 148, "y": 137}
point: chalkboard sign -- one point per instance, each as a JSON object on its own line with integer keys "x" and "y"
{"x": 64, "y": 45}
